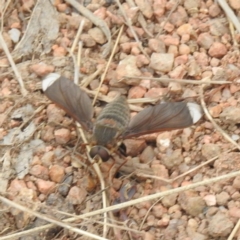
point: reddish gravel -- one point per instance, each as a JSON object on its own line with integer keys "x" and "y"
{"x": 44, "y": 164}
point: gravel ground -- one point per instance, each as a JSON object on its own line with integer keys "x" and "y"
{"x": 179, "y": 50}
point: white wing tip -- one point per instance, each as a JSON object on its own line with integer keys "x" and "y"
{"x": 195, "y": 111}
{"x": 49, "y": 80}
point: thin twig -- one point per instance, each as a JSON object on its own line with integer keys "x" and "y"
{"x": 136, "y": 201}
{"x": 108, "y": 64}
{"x": 201, "y": 165}
{"x": 129, "y": 24}
{"x": 182, "y": 81}
{"x": 85, "y": 82}
{"x": 79, "y": 54}
{"x": 141, "y": 19}
{"x": 230, "y": 14}
{"x": 76, "y": 39}
{"x": 77, "y": 63}
{"x": 154, "y": 177}
{"x": 148, "y": 211}
{"x": 46, "y": 218}
{"x": 13, "y": 65}
{"x": 234, "y": 231}
{"x": 76, "y": 71}
{"x": 232, "y": 31}
{"x": 2, "y": 11}
{"x": 217, "y": 127}
{"x": 95, "y": 165}
{"x": 100, "y": 177}
{"x": 169, "y": 15}
{"x": 97, "y": 21}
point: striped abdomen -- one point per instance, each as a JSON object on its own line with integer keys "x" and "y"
{"x": 112, "y": 121}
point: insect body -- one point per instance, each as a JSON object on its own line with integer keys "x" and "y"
{"x": 113, "y": 122}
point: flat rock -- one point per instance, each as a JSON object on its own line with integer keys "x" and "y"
{"x": 162, "y": 62}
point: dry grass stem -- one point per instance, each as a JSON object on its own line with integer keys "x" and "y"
{"x": 3, "y": 8}
{"x": 201, "y": 165}
{"x": 218, "y": 128}
{"x": 86, "y": 81}
{"x": 108, "y": 64}
{"x": 95, "y": 165}
{"x": 234, "y": 231}
{"x": 135, "y": 201}
{"x": 155, "y": 177}
{"x": 130, "y": 101}
{"x": 97, "y": 21}
{"x": 163, "y": 194}
{"x": 116, "y": 224}
{"x": 76, "y": 71}
{"x": 76, "y": 39}
{"x": 168, "y": 17}
{"x": 46, "y": 218}
{"x": 79, "y": 53}
{"x": 182, "y": 81}
{"x": 129, "y": 24}
{"x": 148, "y": 211}
{"x": 232, "y": 31}
{"x": 13, "y": 65}
{"x": 141, "y": 19}
{"x": 230, "y": 14}
{"x": 100, "y": 177}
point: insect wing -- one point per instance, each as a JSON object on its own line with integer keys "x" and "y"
{"x": 67, "y": 95}
{"x": 163, "y": 117}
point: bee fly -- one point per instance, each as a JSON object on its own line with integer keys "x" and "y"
{"x": 113, "y": 123}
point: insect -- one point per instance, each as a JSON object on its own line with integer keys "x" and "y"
{"x": 114, "y": 123}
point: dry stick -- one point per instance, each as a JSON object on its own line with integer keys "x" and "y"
{"x": 108, "y": 64}
{"x": 132, "y": 202}
{"x": 158, "y": 195}
{"x": 141, "y": 19}
{"x": 76, "y": 72}
{"x": 108, "y": 99}
{"x": 232, "y": 31}
{"x": 131, "y": 29}
{"x": 169, "y": 15}
{"x": 100, "y": 177}
{"x": 95, "y": 166}
{"x": 46, "y": 218}
{"x": 79, "y": 54}
{"x": 154, "y": 177}
{"x": 105, "y": 201}
{"x": 230, "y": 14}
{"x": 231, "y": 28}
{"x": 182, "y": 81}
{"x": 10, "y": 59}
{"x": 143, "y": 23}
{"x": 122, "y": 227}
{"x": 130, "y": 101}
{"x": 97, "y": 21}
{"x": 3, "y": 10}
{"x": 86, "y": 81}
{"x": 225, "y": 135}
{"x": 76, "y": 39}
{"x": 234, "y": 231}
{"x": 148, "y": 211}
{"x": 76, "y": 64}
{"x": 201, "y": 165}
